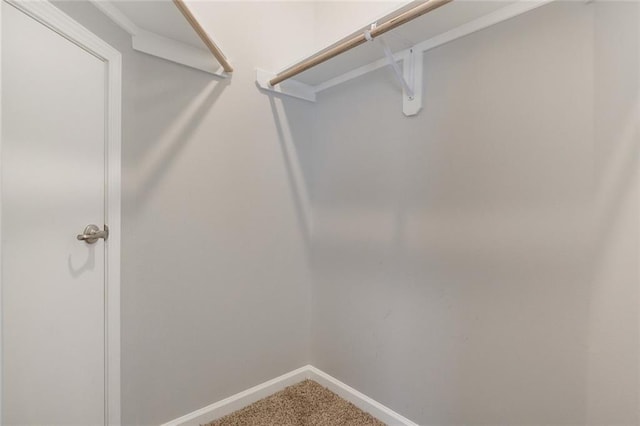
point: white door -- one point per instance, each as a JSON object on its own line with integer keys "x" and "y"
{"x": 53, "y": 185}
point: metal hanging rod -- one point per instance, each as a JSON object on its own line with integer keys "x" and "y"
{"x": 213, "y": 48}
{"x": 359, "y": 39}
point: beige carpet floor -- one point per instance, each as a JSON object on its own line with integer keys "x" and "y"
{"x": 304, "y": 404}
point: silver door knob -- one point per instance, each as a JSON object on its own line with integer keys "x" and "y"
{"x": 92, "y": 233}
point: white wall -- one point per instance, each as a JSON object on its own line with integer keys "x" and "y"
{"x": 474, "y": 264}
{"x": 215, "y": 277}
{"x": 478, "y": 263}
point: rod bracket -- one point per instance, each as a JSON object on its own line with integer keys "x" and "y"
{"x": 409, "y": 77}
{"x": 367, "y": 33}
{"x": 290, "y": 88}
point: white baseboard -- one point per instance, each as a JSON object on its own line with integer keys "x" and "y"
{"x": 360, "y": 400}
{"x": 248, "y": 397}
{"x": 240, "y": 400}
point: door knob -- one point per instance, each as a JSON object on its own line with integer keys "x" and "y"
{"x": 92, "y": 233}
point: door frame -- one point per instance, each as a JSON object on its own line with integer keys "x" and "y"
{"x": 52, "y": 17}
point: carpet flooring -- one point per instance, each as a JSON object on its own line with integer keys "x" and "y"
{"x": 304, "y": 404}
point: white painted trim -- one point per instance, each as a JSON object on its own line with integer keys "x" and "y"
{"x": 248, "y": 397}
{"x": 500, "y": 15}
{"x": 291, "y": 88}
{"x": 638, "y": 263}
{"x": 360, "y": 400}
{"x": 240, "y": 400}
{"x": 113, "y": 244}
{"x": 52, "y": 17}
{"x": 116, "y": 16}
{"x": 1, "y": 325}
{"x": 174, "y": 51}
{"x": 162, "y": 47}
{"x": 355, "y": 73}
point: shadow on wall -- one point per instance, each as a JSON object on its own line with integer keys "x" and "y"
{"x": 614, "y": 304}
{"x": 294, "y": 138}
{"x": 615, "y": 293}
{"x": 173, "y": 124}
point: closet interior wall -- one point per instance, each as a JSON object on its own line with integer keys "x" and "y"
{"x": 475, "y": 264}
{"x": 214, "y": 273}
{"x": 478, "y": 263}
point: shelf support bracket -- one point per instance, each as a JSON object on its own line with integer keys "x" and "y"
{"x": 412, "y": 72}
{"x": 406, "y": 86}
{"x": 410, "y": 77}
